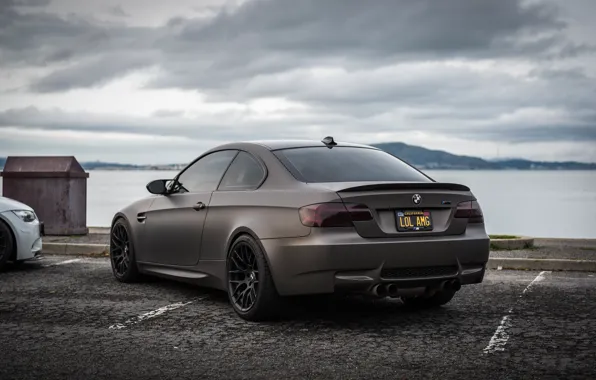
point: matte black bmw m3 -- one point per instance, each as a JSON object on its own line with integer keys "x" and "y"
{"x": 268, "y": 219}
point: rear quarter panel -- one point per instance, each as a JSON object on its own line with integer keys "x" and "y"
{"x": 265, "y": 214}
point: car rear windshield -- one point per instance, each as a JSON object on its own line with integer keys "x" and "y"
{"x": 348, "y": 164}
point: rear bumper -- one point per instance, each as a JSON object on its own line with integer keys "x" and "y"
{"x": 339, "y": 259}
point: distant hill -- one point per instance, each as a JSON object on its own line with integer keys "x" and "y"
{"x": 99, "y": 165}
{"x": 433, "y": 159}
{"x": 423, "y": 158}
{"x": 521, "y": 164}
{"x": 419, "y": 157}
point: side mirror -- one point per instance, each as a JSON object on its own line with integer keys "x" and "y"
{"x": 158, "y": 186}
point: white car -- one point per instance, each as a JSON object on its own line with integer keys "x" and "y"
{"x": 20, "y": 232}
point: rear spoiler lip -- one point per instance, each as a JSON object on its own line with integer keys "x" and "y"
{"x": 407, "y": 186}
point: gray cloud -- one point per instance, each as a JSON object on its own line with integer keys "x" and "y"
{"x": 118, "y": 11}
{"x": 231, "y": 127}
{"x": 168, "y": 113}
{"x": 23, "y": 3}
{"x": 92, "y": 72}
{"x": 41, "y": 38}
{"x": 385, "y": 61}
{"x": 430, "y": 94}
{"x": 538, "y": 133}
{"x": 264, "y": 37}
{"x": 572, "y": 74}
{"x": 222, "y": 126}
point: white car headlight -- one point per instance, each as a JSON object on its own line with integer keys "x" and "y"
{"x": 25, "y": 215}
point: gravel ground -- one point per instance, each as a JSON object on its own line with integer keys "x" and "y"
{"x": 56, "y": 313}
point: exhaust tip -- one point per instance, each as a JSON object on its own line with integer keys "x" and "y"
{"x": 453, "y": 285}
{"x": 380, "y": 291}
{"x": 392, "y": 290}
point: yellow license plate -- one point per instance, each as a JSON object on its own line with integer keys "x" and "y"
{"x": 413, "y": 220}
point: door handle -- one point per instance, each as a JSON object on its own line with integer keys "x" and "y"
{"x": 199, "y": 206}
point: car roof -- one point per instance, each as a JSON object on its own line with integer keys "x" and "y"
{"x": 288, "y": 144}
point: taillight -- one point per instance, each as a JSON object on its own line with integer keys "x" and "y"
{"x": 470, "y": 210}
{"x": 333, "y": 214}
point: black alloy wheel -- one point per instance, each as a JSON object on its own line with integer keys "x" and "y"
{"x": 122, "y": 253}
{"x": 250, "y": 285}
{"x": 243, "y": 277}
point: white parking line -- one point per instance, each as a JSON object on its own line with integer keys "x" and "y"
{"x": 62, "y": 263}
{"x": 538, "y": 278}
{"x": 151, "y": 314}
{"x": 501, "y": 336}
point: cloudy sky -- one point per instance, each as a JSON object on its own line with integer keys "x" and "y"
{"x": 147, "y": 81}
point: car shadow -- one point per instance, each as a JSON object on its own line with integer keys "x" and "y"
{"x": 360, "y": 310}
{"x": 23, "y": 266}
{"x": 351, "y": 311}
{"x": 331, "y": 311}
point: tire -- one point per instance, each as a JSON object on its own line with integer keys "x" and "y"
{"x": 122, "y": 253}
{"x": 7, "y": 245}
{"x": 439, "y": 299}
{"x": 267, "y": 304}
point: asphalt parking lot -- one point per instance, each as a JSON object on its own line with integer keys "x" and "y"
{"x": 65, "y": 317}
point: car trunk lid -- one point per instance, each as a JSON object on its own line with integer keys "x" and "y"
{"x": 388, "y": 200}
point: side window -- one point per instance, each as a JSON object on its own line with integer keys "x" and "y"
{"x": 205, "y": 174}
{"x": 245, "y": 173}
